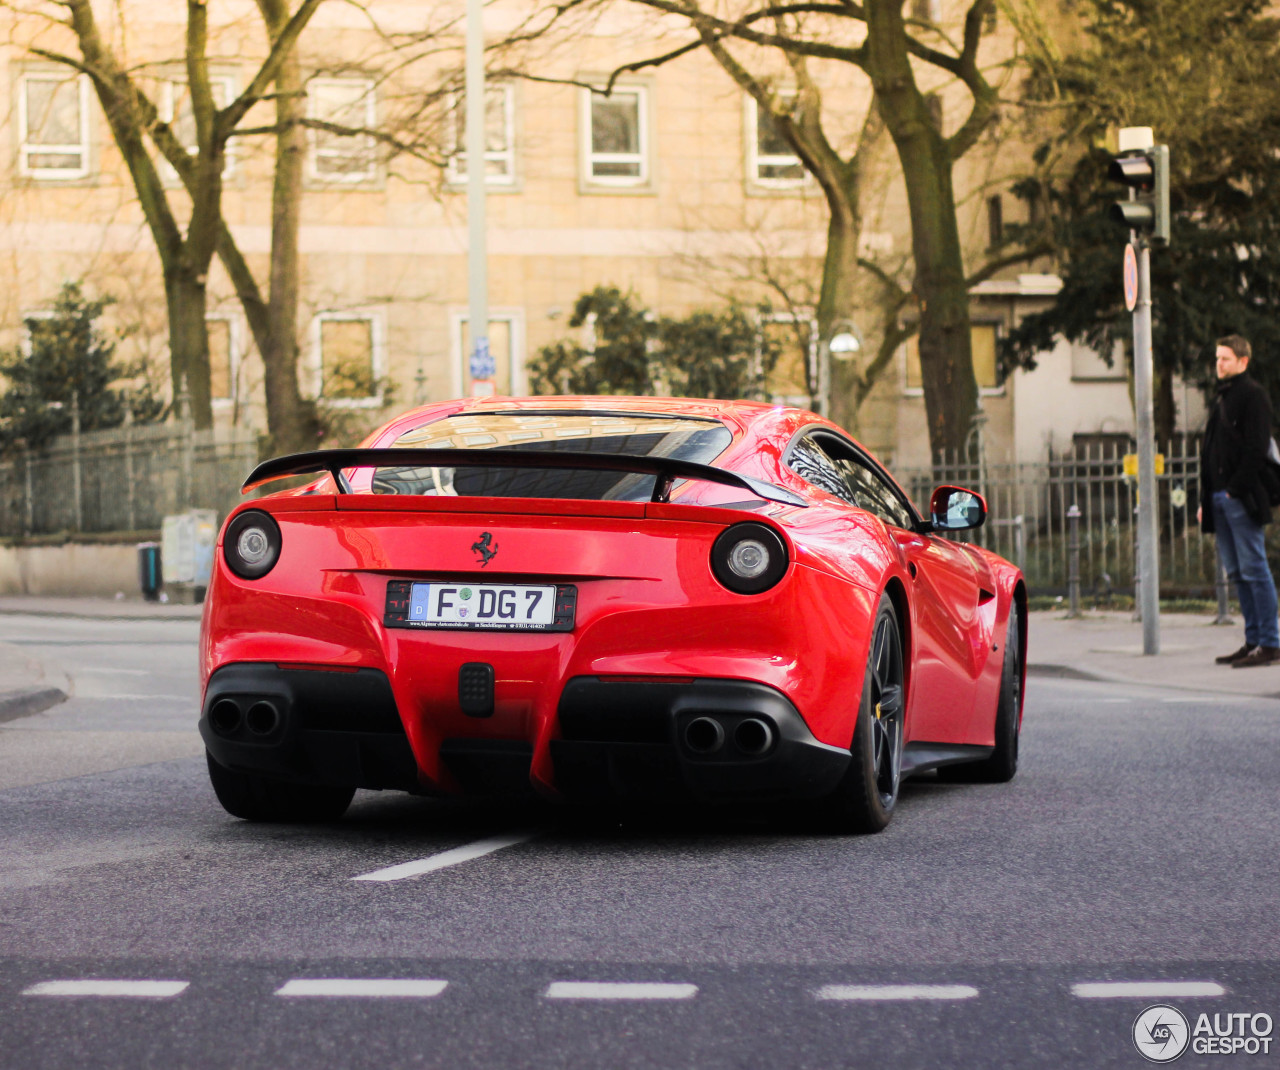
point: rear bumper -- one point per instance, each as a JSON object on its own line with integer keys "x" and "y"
{"x": 308, "y": 727}
{"x": 631, "y": 739}
{"x": 634, "y": 739}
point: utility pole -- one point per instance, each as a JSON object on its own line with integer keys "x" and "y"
{"x": 480, "y": 360}
{"x": 1143, "y": 166}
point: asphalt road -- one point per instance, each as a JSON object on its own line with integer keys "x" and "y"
{"x": 1139, "y": 843}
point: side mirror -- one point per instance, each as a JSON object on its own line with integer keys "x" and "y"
{"x": 956, "y": 509}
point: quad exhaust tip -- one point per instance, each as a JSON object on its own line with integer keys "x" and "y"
{"x": 263, "y": 718}
{"x": 704, "y": 735}
{"x": 225, "y": 717}
{"x": 753, "y": 736}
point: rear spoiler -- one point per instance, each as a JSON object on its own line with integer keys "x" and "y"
{"x": 667, "y": 469}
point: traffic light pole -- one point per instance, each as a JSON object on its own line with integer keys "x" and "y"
{"x": 1148, "y": 526}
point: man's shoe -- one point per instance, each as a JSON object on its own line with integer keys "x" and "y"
{"x": 1228, "y": 659}
{"x": 1261, "y": 655}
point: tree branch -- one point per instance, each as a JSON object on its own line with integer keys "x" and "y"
{"x": 1041, "y": 247}
{"x": 231, "y": 115}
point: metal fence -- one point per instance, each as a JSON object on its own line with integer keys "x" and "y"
{"x": 125, "y": 479}
{"x": 1029, "y": 521}
{"x": 130, "y": 478}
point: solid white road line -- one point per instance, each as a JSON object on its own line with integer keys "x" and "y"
{"x": 1146, "y": 989}
{"x": 894, "y": 992}
{"x": 619, "y": 990}
{"x": 127, "y": 989}
{"x": 363, "y": 987}
{"x": 446, "y": 858}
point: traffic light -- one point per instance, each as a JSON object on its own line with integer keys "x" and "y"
{"x": 1146, "y": 172}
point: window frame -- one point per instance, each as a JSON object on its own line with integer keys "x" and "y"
{"x": 984, "y": 391}
{"x": 453, "y": 175}
{"x": 513, "y": 315}
{"x": 377, "y": 357}
{"x": 27, "y": 149}
{"x": 805, "y": 315}
{"x": 165, "y": 109}
{"x": 589, "y": 157}
{"x": 751, "y": 132}
{"x": 315, "y": 152}
{"x": 235, "y": 355}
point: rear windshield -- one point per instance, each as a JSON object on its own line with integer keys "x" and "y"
{"x": 683, "y": 438}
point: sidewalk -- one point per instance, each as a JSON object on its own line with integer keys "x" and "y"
{"x": 1108, "y": 646}
{"x": 29, "y": 685}
{"x": 97, "y": 608}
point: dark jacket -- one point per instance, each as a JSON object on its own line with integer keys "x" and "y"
{"x": 1233, "y": 456}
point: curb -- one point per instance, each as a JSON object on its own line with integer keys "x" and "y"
{"x": 1070, "y": 672}
{"x": 1064, "y": 672}
{"x": 66, "y": 614}
{"x": 28, "y": 701}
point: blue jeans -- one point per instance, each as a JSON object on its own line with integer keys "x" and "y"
{"x": 1242, "y": 546}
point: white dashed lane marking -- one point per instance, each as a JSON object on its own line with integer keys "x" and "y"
{"x": 1146, "y": 989}
{"x": 619, "y": 990}
{"x": 362, "y": 987}
{"x": 446, "y": 858}
{"x": 114, "y": 989}
{"x": 861, "y": 993}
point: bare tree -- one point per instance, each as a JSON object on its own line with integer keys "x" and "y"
{"x": 134, "y": 119}
{"x": 890, "y": 49}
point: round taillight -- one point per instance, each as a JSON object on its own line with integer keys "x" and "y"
{"x": 749, "y": 558}
{"x": 251, "y": 545}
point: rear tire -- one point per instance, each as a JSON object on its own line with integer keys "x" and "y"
{"x": 868, "y": 792}
{"x": 258, "y": 798}
{"x": 1002, "y": 764}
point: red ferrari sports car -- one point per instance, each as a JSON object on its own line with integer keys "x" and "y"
{"x": 642, "y": 599}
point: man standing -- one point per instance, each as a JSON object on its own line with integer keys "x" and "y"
{"x": 1233, "y": 474}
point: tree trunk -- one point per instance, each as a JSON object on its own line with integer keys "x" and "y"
{"x": 189, "y": 342}
{"x": 838, "y": 298}
{"x": 946, "y": 357}
{"x": 291, "y": 419}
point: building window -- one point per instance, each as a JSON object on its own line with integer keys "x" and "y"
{"x": 506, "y": 344}
{"x": 1090, "y": 366}
{"x": 983, "y": 338}
{"x": 223, "y": 358}
{"x": 499, "y": 136}
{"x": 347, "y": 103}
{"x": 995, "y": 221}
{"x": 616, "y": 137}
{"x": 796, "y": 339}
{"x": 53, "y": 126}
{"x": 771, "y": 161}
{"x": 175, "y": 109}
{"x": 348, "y": 361}
{"x": 31, "y": 321}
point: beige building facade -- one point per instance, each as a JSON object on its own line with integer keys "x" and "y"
{"x": 670, "y": 187}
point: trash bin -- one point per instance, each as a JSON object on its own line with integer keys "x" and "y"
{"x": 150, "y": 576}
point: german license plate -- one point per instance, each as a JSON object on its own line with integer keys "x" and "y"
{"x": 481, "y": 606}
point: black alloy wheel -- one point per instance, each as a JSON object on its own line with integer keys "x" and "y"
{"x": 1002, "y": 764}
{"x": 258, "y": 798}
{"x": 869, "y": 791}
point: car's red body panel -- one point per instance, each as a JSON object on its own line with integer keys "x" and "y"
{"x": 648, "y": 605}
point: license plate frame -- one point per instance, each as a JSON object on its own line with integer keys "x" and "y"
{"x": 400, "y": 597}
